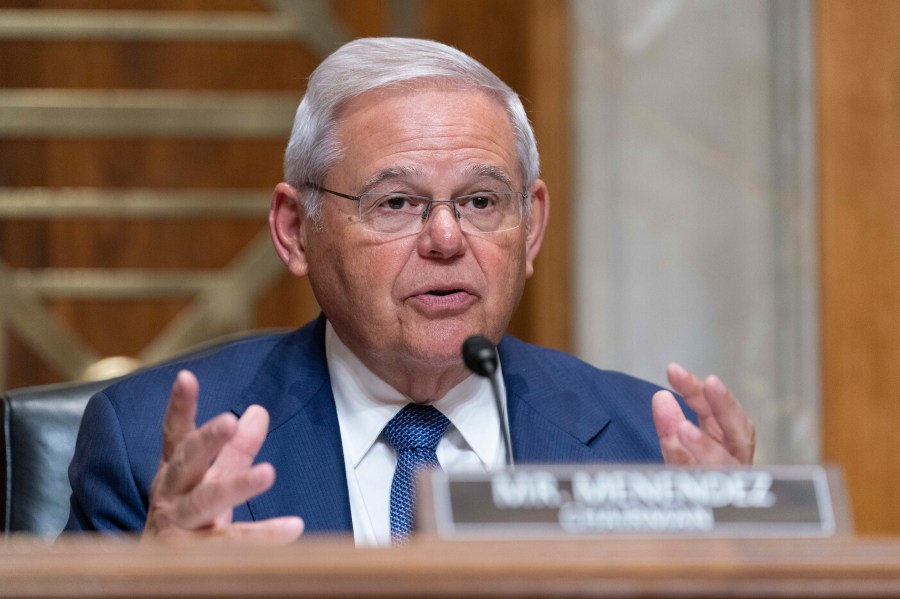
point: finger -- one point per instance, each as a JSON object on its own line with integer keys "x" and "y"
{"x": 192, "y": 458}
{"x": 667, "y": 418}
{"x": 675, "y": 453}
{"x": 690, "y": 387}
{"x": 181, "y": 412}
{"x": 693, "y": 390}
{"x": 208, "y": 500}
{"x": 272, "y": 532}
{"x": 738, "y": 432}
{"x": 667, "y": 414}
{"x": 703, "y": 448}
{"x": 241, "y": 450}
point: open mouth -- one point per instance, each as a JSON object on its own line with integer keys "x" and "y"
{"x": 442, "y": 292}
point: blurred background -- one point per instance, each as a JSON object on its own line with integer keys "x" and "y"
{"x": 724, "y": 177}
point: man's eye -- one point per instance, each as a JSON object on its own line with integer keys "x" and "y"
{"x": 482, "y": 202}
{"x": 397, "y": 202}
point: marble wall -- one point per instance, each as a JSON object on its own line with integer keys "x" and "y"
{"x": 694, "y": 201}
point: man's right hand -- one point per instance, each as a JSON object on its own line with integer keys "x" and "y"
{"x": 206, "y": 471}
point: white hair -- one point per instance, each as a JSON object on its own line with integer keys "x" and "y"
{"x": 372, "y": 63}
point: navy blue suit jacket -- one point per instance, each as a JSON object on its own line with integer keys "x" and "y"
{"x": 560, "y": 410}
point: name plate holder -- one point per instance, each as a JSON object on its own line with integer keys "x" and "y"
{"x": 555, "y": 502}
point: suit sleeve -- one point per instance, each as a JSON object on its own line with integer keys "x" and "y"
{"x": 105, "y": 496}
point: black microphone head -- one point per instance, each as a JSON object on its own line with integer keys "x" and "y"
{"x": 480, "y": 355}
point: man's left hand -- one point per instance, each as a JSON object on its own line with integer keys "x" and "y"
{"x": 725, "y": 435}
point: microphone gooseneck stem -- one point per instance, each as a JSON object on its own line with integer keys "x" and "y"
{"x": 504, "y": 421}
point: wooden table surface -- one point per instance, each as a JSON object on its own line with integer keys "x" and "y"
{"x": 322, "y": 567}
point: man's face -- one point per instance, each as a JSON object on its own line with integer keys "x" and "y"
{"x": 410, "y": 302}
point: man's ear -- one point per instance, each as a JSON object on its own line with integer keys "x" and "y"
{"x": 537, "y": 224}
{"x": 287, "y": 220}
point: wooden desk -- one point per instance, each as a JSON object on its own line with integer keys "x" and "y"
{"x": 91, "y": 567}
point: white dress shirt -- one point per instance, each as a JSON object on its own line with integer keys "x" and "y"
{"x": 365, "y": 404}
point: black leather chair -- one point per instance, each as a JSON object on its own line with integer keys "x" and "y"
{"x": 39, "y": 429}
{"x": 40, "y": 425}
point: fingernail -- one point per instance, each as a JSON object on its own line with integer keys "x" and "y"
{"x": 677, "y": 369}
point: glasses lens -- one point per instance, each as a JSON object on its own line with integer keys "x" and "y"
{"x": 392, "y": 213}
{"x": 490, "y": 211}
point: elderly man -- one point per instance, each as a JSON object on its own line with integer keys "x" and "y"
{"x": 413, "y": 203}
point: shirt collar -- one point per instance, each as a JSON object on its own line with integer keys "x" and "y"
{"x": 365, "y": 404}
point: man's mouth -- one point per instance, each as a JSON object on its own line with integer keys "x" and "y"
{"x": 452, "y": 299}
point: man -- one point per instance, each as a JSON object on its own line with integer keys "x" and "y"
{"x": 412, "y": 202}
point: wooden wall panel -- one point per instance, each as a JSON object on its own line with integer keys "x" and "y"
{"x": 152, "y": 5}
{"x": 142, "y": 64}
{"x": 546, "y": 312}
{"x": 858, "y": 50}
{"x": 124, "y": 327}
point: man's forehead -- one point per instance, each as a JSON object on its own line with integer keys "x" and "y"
{"x": 429, "y": 84}
{"x": 425, "y": 133}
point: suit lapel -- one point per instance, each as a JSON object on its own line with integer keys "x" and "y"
{"x": 548, "y": 423}
{"x": 303, "y": 443}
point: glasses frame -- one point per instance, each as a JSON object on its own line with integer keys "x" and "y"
{"x": 431, "y": 202}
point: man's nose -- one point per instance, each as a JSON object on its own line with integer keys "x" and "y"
{"x": 442, "y": 236}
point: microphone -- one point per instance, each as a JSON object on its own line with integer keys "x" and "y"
{"x": 480, "y": 357}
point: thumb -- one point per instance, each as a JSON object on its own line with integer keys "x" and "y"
{"x": 667, "y": 414}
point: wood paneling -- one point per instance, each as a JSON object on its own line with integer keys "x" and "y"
{"x": 158, "y": 5}
{"x": 105, "y": 64}
{"x": 858, "y": 50}
{"x": 124, "y": 327}
{"x": 546, "y": 311}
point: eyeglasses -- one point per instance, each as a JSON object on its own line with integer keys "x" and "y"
{"x": 405, "y": 214}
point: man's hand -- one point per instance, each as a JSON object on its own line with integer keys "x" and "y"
{"x": 206, "y": 471}
{"x": 725, "y": 435}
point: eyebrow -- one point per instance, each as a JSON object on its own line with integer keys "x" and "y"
{"x": 388, "y": 174}
{"x": 407, "y": 172}
{"x": 491, "y": 172}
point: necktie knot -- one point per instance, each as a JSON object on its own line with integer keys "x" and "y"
{"x": 416, "y": 427}
{"x": 414, "y": 433}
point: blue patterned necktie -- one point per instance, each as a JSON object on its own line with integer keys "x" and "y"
{"x": 414, "y": 433}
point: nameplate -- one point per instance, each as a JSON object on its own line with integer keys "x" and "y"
{"x": 536, "y": 502}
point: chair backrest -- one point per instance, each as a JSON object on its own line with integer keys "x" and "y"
{"x": 39, "y": 429}
{"x": 40, "y": 425}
